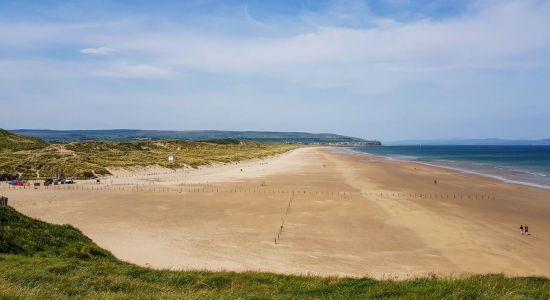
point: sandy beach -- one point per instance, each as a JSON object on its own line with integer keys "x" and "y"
{"x": 342, "y": 214}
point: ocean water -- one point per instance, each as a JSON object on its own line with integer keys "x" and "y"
{"x": 528, "y": 165}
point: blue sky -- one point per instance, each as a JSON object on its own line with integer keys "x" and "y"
{"x": 385, "y": 69}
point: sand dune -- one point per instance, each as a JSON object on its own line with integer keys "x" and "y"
{"x": 350, "y": 214}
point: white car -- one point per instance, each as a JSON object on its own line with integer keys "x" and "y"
{"x": 69, "y": 181}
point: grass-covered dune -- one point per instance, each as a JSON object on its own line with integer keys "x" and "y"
{"x": 44, "y": 261}
{"x": 13, "y": 142}
{"x": 30, "y": 157}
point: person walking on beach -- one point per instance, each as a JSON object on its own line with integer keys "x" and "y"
{"x": 526, "y": 229}
{"x": 521, "y": 228}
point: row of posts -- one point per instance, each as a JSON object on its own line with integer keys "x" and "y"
{"x": 280, "y": 233}
{"x": 189, "y": 189}
{"x": 435, "y": 196}
{"x": 195, "y": 189}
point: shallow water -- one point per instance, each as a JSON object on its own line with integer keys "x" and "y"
{"x": 528, "y": 165}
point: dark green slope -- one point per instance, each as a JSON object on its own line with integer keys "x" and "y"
{"x": 25, "y": 236}
{"x": 14, "y": 142}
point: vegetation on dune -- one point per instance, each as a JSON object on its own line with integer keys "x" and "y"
{"x": 25, "y": 236}
{"x": 40, "y": 260}
{"x": 29, "y": 157}
{"x": 222, "y": 141}
{"x": 13, "y": 142}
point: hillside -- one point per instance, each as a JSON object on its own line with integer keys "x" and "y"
{"x": 45, "y": 261}
{"x": 13, "y": 142}
{"x": 24, "y": 236}
{"x": 30, "y": 158}
{"x": 64, "y": 136}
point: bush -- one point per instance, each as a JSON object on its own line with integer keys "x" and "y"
{"x": 8, "y": 177}
{"x": 88, "y": 174}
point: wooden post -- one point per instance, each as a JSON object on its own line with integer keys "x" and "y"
{"x": 3, "y": 201}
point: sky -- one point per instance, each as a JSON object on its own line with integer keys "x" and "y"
{"x": 380, "y": 69}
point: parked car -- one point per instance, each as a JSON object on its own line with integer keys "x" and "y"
{"x": 48, "y": 181}
{"x": 16, "y": 182}
{"x": 69, "y": 181}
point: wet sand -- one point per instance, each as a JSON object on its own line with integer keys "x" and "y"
{"x": 349, "y": 215}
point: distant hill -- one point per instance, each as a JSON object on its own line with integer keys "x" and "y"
{"x": 65, "y": 136}
{"x": 13, "y": 142}
{"x": 475, "y": 142}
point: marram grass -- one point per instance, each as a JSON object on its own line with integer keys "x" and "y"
{"x": 31, "y": 158}
{"x": 45, "y": 261}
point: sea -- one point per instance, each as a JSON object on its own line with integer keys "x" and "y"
{"x": 527, "y": 165}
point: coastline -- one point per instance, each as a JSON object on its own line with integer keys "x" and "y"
{"x": 348, "y": 215}
{"x": 465, "y": 169}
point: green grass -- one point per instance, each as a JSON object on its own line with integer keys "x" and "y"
{"x": 29, "y": 157}
{"x": 45, "y": 261}
{"x": 25, "y": 236}
{"x": 13, "y": 142}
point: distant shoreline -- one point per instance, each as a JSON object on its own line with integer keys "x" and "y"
{"x": 507, "y": 173}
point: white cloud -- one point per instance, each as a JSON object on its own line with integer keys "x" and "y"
{"x": 21, "y": 70}
{"x": 504, "y": 35}
{"x": 507, "y": 35}
{"x": 133, "y": 71}
{"x": 100, "y": 51}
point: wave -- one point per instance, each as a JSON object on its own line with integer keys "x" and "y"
{"x": 502, "y": 178}
{"x": 403, "y": 157}
{"x": 508, "y": 174}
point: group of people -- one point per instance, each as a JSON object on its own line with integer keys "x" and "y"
{"x": 524, "y": 229}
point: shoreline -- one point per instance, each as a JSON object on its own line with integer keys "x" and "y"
{"x": 461, "y": 170}
{"x": 391, "y": 220}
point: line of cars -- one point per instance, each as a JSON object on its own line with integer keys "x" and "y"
{"x": 47, "y": 181}
{"x": 17, "y": 182}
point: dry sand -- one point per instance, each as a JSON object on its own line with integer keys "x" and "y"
{"x": 350, "y": 214}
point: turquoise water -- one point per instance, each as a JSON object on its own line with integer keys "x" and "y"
{"x": 529, "y": 165}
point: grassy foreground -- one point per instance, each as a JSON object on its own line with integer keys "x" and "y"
{"x": 30, "y": 157}
{"x": 45, "y": 261}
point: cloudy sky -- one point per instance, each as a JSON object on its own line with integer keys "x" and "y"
{"x": 385, "y": 69}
